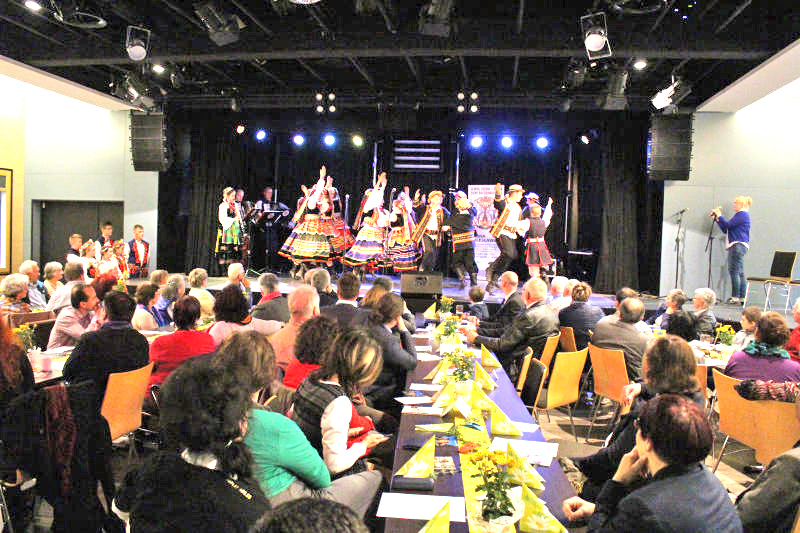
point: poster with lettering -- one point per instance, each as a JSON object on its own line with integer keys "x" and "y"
{"x": 486, "y": 251}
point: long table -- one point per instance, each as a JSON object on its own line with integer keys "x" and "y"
{"x": 557, "y": 487}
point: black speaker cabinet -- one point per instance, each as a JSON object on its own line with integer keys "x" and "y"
{"x": 149, "y": 147}
{"x": 420, "y": 290}
{"x": 669, "y": 147}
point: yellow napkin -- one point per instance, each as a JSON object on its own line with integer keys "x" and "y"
{"x": 479, "y": 399}
{"x": 421, "y": 463}
{"x": 438, "y": 428}
{"x": 440, "y": 523}
{"x": 487, "y": 359}
{"x": 433, "y": 372}
{"x": 441, "y": 374}
{"x": 453, "y": 338}
{"x": 537, "y": 517}
{"x": 446, "y": 396}
{"x": 483, "y": 378}
{"x": 523, "y": 473}
{"x": 502, "y": 425}
{"x": 430, "y": 313}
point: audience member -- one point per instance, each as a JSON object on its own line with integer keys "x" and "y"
{"x": 399, "y": 353}
{"x": 272, "y": 306}
{"x": 115, "y": 347}
{"x": 705, "y": 321}
{"x": 53, "y": 272}
{"x": 746, "y": 335}
{"x": 73, "y": 321}
{"x": 310, "y": 515}
{"x": 303, "y": 305}
{"x": 102, "y": 284}
{"x": 530, "y": 328}
{"x": 167, "y": 352}
{"x": 73, "y": 274}
{"x": 771, "y": 502}
{"x": 232, "y": 313}
{"x": 321, "y": 280}
{"x": 174, "y": 288}
{"x": 159, "y": 277}
{"x": 673, "y": 439}
{"x": 198, "y": 281}
{"x": 673, "y": 302}
{"x": 237, "y": 277}
{"x": 477, "y": 307}
{"x": 383, "y": 282}
{"x": 146, "y": 297}
{"x": 207, "y": 486}
{"x": 368, "y": 303}
{"x": 682, "y": 323}
{"x": 345, "y": 308}
{"x": 619, "y": 332}
{"x": 793, "y": 346}
{"x": 36, "y": 291}
{"x": 14, "y": 288}
{"x": 313, "y": 338}
{"x": 668, "y": 368}
{"x": 765, "y": 358}
{"x": 323, "y": 406}
{"x": 556, "y": 299}
{"x": 75, "y": 244}
{"x": 619, "y": 297}
{"x": 509, "y": 309}
{"x": 16, "y": 374}
{"x": 580, "y": 315}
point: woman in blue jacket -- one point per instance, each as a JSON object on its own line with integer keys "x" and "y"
{"x": 737, "y": 229}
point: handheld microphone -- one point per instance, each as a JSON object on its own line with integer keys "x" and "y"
{"x": 712, "y": 213}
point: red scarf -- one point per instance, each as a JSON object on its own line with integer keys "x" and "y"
{"x": 269, "y": 296}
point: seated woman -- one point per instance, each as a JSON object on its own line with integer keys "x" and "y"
{"x": 765, "y": 358}
{"x": 146, "y": 296}
{"x": 208, "y": 485}
{"x": 672, "y": 441}
{"x": 232, "y": 313}
{"x": 747, "y": 334}
{"x": 580, "y": 315}
{"x": 174, "y": 288}
{"x": 198, "y": 281}
{"x": 53, "y": 272}
{"x": 683, "y": 324}
{"x": 313, "y": 338}
{"x": 380, "y": 286}
{"x": 14, "y": 289}
{"x": 169, "y": 351}
{"x": 286, "y": 466}
{"x": 705, "y": 321}
{"x": 674, "y": 302}
{"x": 668, "y": 367}
{"x": 323, "y": 406}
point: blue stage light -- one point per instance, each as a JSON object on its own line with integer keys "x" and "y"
{"x": 261, "y": 135}
{"x": 329, "y": 139}
{"x": 585, "y": 139}
{"x": 476, "y": 141}
{"x": 506, "y": 142}
{"x": 542, "y": 143}
{"x": 298, "y": 140}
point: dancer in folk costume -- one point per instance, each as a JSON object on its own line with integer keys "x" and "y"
{"x": 429, "y": 230}
{"x": 367, "y": 252}
{"x": 311, "y": 240}
{"x": 535, "y": 225}
{"x": 505, "y": 231}
{"x": 122, "y": 258}
{"x": 229, "y": 229}
{"x": 342, "y": 240}
{"x": 400, "y": 248}
{"x": 462, "y": 233}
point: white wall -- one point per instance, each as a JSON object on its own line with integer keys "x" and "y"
{"x": 754, "y": 152}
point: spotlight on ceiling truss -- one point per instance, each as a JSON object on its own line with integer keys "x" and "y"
{"x": 304, "y": 2}
{"x": 615, "y": 99}
{"x": 575, "y": 74}
{"x": 72, "y": 13}
{"x": 672, "y": 95}
{"x": 137, "y": 42}
{"x": 223, "y": 28}
{"x": 594, "y": 32}
{"x": 636, "y": 7}
{"x": 435, "y": 18}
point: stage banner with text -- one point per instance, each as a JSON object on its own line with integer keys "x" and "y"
{"x": 486, "y": 251}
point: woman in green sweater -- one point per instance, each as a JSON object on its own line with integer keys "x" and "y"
{"x": 285, "y": 464}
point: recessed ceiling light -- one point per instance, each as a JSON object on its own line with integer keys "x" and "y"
{"x": 158, "y": 69}
{"x": 640, "y": 64}
{"x": 33, "y": 5}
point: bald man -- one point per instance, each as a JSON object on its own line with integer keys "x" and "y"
{"x": 530, "y": 328}
{"x": 511, "y": 306}
{"x": 303, "y": 305}
{"x": 621, "y": 333}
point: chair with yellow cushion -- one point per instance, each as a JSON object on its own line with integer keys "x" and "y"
{"x": 564, "y": 385}
{"x": 122, "y": 402}
{"x": 549, "y": 350}
{"x": 568, "y": 339}
{"x": 610, "y": 376}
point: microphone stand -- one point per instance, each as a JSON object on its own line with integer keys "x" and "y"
{"x": 678, "y": 248}
{"x": 710, "y": 247}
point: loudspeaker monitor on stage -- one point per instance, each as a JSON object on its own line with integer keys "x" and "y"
{"x": 420, "y": 290}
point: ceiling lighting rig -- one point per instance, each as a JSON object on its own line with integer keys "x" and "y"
{"x": 137, "y": 42}
{"x": 223, "y": 28}
{"x": 72, "y": 13}
{"x": 636, "y": 7}
{"x": 594, "y": 32}
{"x": 671, "y": 96}
{"x": 467, "y": 101}
{"x": 325, "y": 102}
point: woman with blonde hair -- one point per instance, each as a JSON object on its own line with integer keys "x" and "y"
{"x": 737, "y": 230}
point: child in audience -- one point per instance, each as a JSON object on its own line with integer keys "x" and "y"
{"x": 477, "y": 306}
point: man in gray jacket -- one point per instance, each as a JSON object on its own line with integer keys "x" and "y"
{"x": 619, "y": 332}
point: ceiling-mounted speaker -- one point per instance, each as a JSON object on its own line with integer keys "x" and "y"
{"x": 669, "y": 147}
{"x": 149, "y": 148}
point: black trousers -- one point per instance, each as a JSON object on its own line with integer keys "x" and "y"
{"x": 430, "y": 258}
{"x": 265, "y": 249}
{"x": 464, "y": 259}
{"x": 508, "y": 253}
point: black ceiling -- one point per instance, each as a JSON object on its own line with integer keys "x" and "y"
{"x": 514, "y": 53}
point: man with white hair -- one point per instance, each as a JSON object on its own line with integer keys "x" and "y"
{"x": 705, "y": 321}
{"x": 35, "y": 287}
{"x": 530, "y": 328}
{"x": 511, "y": 306}
{"x": 236, "y": 276}
{"x": 793, "y": 346}
{"x": 73, "y": 274}
{"x": 272, "y": 305}
{"x": 321, "y": 280}
{"x": 556, "y": 296}
{"x": 622, "y": 334}
{"x": 303, "y": 305}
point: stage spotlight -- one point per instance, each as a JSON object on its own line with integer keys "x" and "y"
{"x": 506, "y": 142}
{"x": 461, "y": 96}
{"x": 137, "y": 42}
{"x": 358, "y": 140}
{"x": 33, "y": 5}
{"x": 640, "y": 64}
{"x": 585, "y": 139}
{"x": 542, "y": 143}
{"x": 332, "y": 109}
{"x": 329, "y": 139}
{"x": 320, "y": 109}
{"x": 476, "y": 141}
{"x": 473, "y": 108}
{"x": 261, "y": 135}
{"x": 460, "y": 108}
{"x": 318, "y": 97}
{"x": 331, "y": 97}
{"x": 594, "y": 32}
{"x": 240, "y": 129}
{"x": 473, "y": 96}
{"x": 298, "y": 140}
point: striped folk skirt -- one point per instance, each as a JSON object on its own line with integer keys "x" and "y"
{"x": 342, "y": 239}
{"x": 368, "y": 249}
{"x": 311, "y": 242}
{"x": 537, "y": 253}
{"x": 402, "y": 253}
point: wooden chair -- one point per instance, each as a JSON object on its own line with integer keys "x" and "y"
{"x": 549, "y": 350}
{"x": 122, "y": 402}
{"x": 610, "y": 376}
{"x": 563, "y": 388}
{"x": 17, "y": 319}
{"x": 41, "y": 332}
{"x": 701, "y": 373}
{"x": 523, "y": 372}
{"x": 767, "y": 426}
{"x": 568, "y": 339}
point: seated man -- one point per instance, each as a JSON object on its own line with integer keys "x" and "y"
{"x": 477, "y": 307}
{"x": 555, "y": 299}
{"x": 705, "y": 321}
{"x": 159, "y": 277}
{"x": 619, "y": 332}
{"x": 530, "y": 327}
{"x": 73, "y": 321}
{"x": 346, "y": 306}
{"x": 115, "y": 347}
{"x": 173, "y": 289}
{"x": 236, "y": 276}
{"x": 303, "y": 305}
{"x": 36, "y": 293}
{"x": 674, "y": 302}
{"x": 321, "y": 280}
{"x": 271, "y": 306}
{"x": 73, "y": 274}
{"x": 619, "y": 297}
{"x": 510, "y": 308}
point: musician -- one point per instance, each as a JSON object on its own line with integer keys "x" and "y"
{"x": 268, "y": 216}
{"x": 229, "y": 229}
{"x": 462, "y": 232}
{"x": 537, "y": 254}
{"x": 239, "y": 201}
{"x": 505, "y": 231}
{"x": 428, "y": 233}
{"x": 139, "y": 256}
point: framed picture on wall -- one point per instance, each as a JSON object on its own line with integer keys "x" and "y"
{"x": 5, "y": 220}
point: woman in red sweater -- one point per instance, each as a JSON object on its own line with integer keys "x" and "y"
{"x": 169, "y": 351}
{"x": 313, "y": 338}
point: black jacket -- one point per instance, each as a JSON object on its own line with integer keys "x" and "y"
{"x": 581, "y": 317}
{"x": 275, "y": 309}
{"x": 503, "y": 317}
{"x": 399, "y": 356}
{"x": 342, "y": 313}
{"x": 327, "y": 298}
